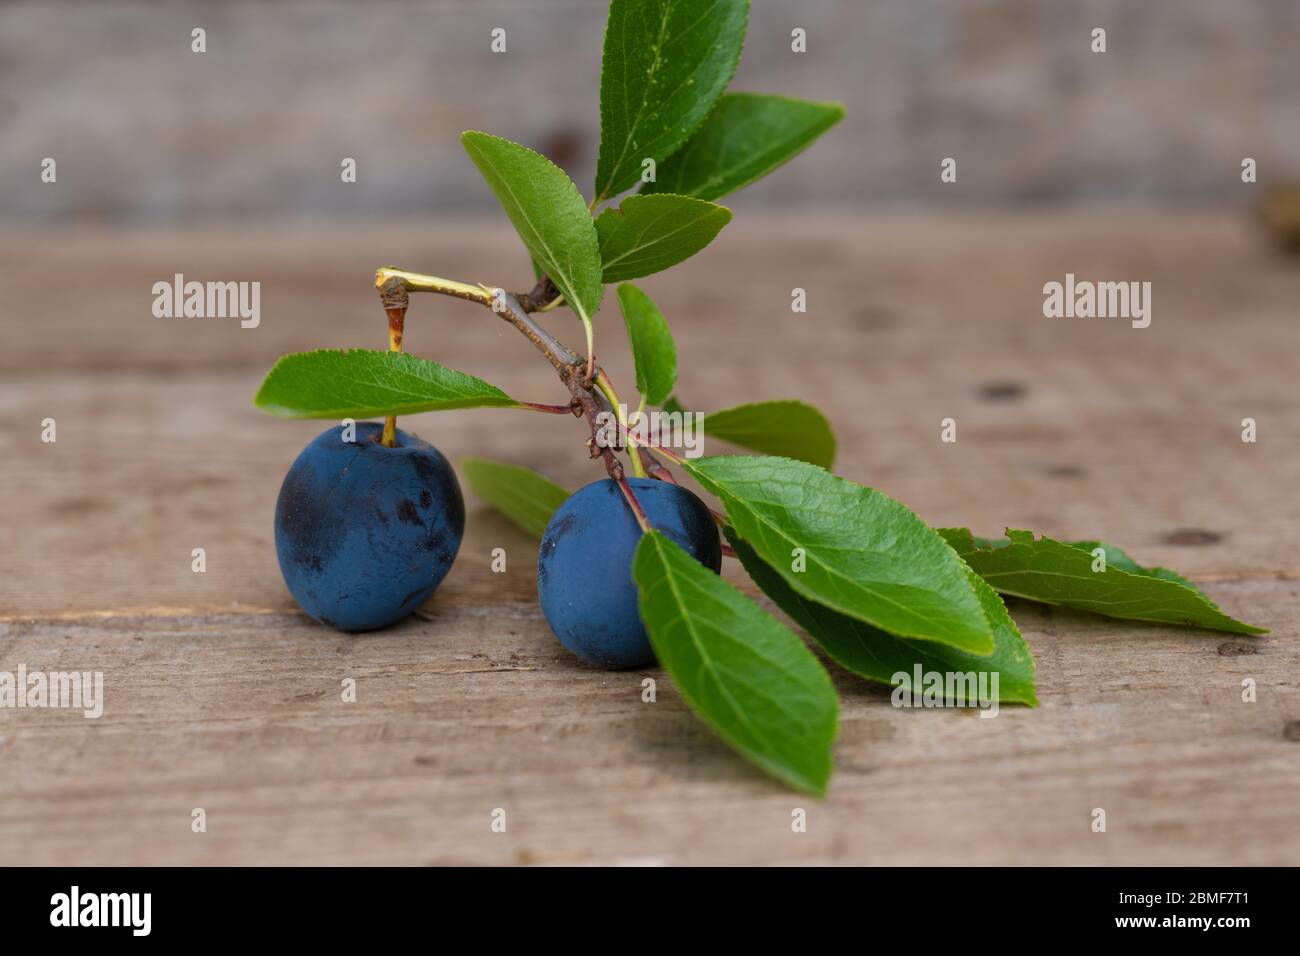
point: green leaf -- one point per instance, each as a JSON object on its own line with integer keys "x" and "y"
{"x": 648, "y": 234}
{"x": 878, "y": 656}
{"x": 666, "y": 62}
{"x": 653, "y": 350}
{"x": 787, "y": 428}
{"x": 866, "y": 555}
{"x": 1117, "y": 558}
{"x": 548, "y": 213}
{"x": 521, "y": 494}
{"x": 744, "y": 672}
{"x": 359, "y": 383}
{"x": 746, "y": 137}
{"x": 1054, "y": 572}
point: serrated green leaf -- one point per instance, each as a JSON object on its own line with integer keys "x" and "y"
{"x": 1116, "y": 557}
{"x": 865, "y": 554}
{"x": 747, "y": 136}
{"x": 879, "y": 656}
{"x": 648, "y": 234}
{"x": 653, "y": 350}
{"x": 1054, "y": 572}
{"x": 549, "y": 214}
{"x": 744, "y": 672}
{"x": 359, "y": 383}
{"x": 665, "y": 64}
{"x": 521, "y": 494}
{"x": 788, "y": 428}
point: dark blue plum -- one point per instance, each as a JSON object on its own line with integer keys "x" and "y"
{"x": 584, "y": 571}
{"x": 365, "y": 533}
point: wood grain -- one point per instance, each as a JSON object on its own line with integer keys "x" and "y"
{"x": 220, "y": 695}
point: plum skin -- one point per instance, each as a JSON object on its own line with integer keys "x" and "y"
{"x": 365, "y": 533}
{"x": 584, "y": 570}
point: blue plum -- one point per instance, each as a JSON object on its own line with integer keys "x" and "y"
{"x": 365, "y": 533}
{"x": 584, "y": 571}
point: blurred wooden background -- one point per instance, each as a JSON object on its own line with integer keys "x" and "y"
{"x": 143, "y": 129}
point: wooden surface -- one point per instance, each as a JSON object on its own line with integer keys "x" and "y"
{"x": 221, "y": 695}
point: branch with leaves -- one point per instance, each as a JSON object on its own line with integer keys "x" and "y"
{"x": 877, "y": 589}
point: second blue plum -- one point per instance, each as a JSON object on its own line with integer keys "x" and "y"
{"x": 584, "y": 570}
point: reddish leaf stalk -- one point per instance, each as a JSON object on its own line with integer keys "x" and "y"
{"x": 550, "y": 409}
{"x": 652, "y": 466}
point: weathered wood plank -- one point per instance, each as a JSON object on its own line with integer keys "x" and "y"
{"x": 220, "y": 695}
{"x": 1074, "y": 428}
{"x": 475, "y": 707}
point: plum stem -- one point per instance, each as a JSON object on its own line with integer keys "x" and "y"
{"x": 635, "y": 505}
{"x": 503, "y": 303}
{"x": 395, "y": 300}
{"x": 591, "y": 389}
{"x": 607, "y": 387}
{"x": 416, "y": 282}
{"x": 580, "y": 375}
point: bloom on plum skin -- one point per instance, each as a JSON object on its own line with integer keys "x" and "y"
{"x": 365, "y": 533}
{"x": 584, "y": 569}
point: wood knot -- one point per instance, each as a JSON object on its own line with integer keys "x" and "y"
{"x": 1236, "y": 649}
{"x": 1001, "y": 391}
{"x": 1192, "y": 537}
